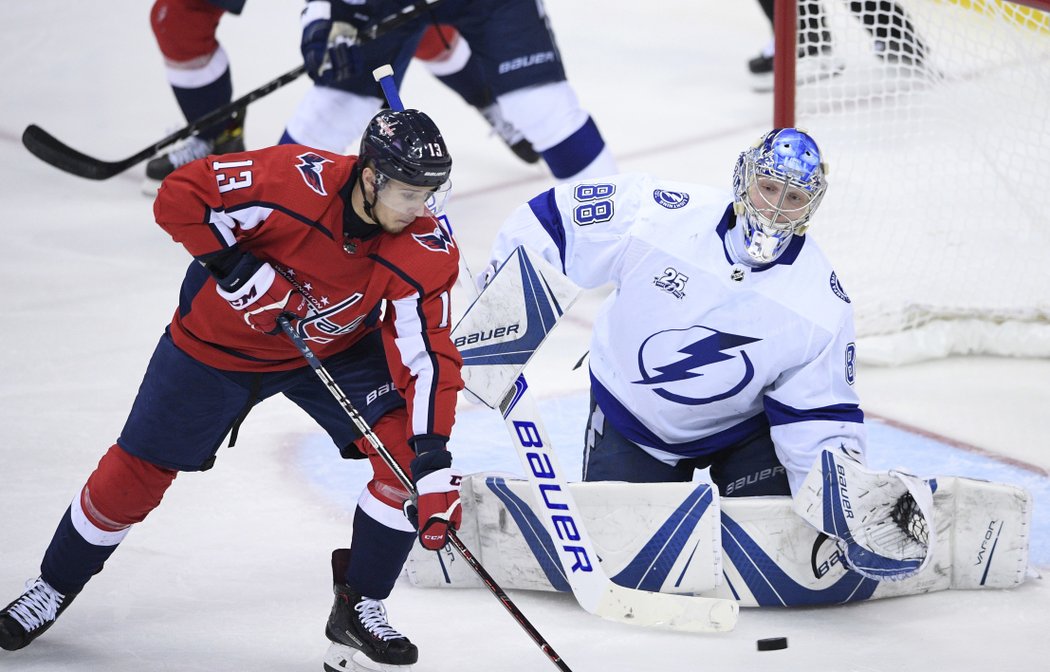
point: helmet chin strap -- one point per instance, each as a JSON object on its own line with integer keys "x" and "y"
{"x": 364, "y": 199}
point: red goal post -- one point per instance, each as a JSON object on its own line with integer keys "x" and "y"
{"x": 934, "y": 117}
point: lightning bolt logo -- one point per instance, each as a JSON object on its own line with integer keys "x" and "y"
{"x": 310, "y": 167}
{"x": 696, "y": 355}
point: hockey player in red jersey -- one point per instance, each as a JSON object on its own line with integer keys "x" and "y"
{"x": 346, "y": 248}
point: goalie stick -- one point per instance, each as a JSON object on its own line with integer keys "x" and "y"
{"x": 53, "y": 151}
{"x": 468, "y": 557}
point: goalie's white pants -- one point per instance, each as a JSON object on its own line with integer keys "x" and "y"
{"x": 680, "y": 538}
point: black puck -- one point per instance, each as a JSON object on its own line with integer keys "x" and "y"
{"x": 773, "y": 644}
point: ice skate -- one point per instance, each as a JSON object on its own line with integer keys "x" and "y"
{"x": 195, "y": 147}
{"x": 359, "y": 624}
{"x": 339, "y": 658}
{"x": 31, "y": 615}
{"x": 510, "y": 135}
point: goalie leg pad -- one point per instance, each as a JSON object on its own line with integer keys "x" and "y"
{"x": 770, "y": 556}
{"x": 661, "y": 537}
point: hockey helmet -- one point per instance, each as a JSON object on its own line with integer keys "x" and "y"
{"x": 778, "y": 184}
{"x": 406, "y": 146}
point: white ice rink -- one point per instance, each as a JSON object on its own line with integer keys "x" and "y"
{"x": 232, "y": 572}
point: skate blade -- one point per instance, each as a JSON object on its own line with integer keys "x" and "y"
{"x": 341, "y": 658}
{"x": 149, "y": 187}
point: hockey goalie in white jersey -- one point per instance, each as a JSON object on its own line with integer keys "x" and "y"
{"x": 728, "y": 344}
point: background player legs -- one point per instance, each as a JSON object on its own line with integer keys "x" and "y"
{"x": 198, "y": 70}
{"x": 448, "y": 57}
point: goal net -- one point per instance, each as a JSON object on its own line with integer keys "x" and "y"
{"x": 934, "y": 118}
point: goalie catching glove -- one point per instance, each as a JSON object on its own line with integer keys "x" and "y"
{"x": 883, "y": 520}
{"x": 262, "y": 294}
{"x": 436, "y": 508}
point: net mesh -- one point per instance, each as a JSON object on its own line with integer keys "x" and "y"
{"x": 934, "y": 117}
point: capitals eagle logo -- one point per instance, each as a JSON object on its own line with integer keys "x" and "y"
{"x": 437, "y": 241}
{"x": 310, "y": 167}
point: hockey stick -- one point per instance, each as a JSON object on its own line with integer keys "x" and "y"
{"x": 366, "y": 430}
{"x": 53, "y": 151}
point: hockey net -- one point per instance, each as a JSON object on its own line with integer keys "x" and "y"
{"x": 934, "y": 118}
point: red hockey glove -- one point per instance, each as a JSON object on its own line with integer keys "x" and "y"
{"x": 265, "y": 296}
{"x": 437, "y": 503}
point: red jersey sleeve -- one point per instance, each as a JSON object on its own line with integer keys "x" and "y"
{"x": 422, "y": 263}
{"x": 211, "y": 204}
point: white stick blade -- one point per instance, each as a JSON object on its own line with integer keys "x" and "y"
{"x": 683, "y": 613}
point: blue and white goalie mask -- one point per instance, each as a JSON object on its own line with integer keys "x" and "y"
{"x": 778, "y": 184}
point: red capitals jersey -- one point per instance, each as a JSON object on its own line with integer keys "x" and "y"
{"x": 285, "y": 205}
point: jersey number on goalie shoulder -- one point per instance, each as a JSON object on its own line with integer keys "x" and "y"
{"x": 596, "y": 203}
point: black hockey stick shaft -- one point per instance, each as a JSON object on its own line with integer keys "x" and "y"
{"x": 363, "y": 427}
{"x": 53, "y": 151}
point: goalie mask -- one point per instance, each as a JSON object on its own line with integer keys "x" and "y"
{"x": 410, "y": 159}
{"x": 778, "y": 184}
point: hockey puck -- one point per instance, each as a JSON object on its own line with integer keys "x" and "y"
{"x": 773, "y": 644}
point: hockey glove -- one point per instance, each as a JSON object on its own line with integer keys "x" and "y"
{"x": 330, "y": 52}
{"x": 437, "y": 507}
{"x": 262, "y": 295}
{"x": 883, "y": 520}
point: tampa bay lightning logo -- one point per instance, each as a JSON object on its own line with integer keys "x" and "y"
{"x": 438, "y": 241}
{"x": 672, "y": 200}
{"x": 310, "y": 167}
{"x": 686, "y": 365}
{"x": 836, "y": 287}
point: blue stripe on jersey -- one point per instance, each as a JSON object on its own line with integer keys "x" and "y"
{"x": 576, "y": 152}
{"x": 632, "y": 428}
{"x": 782, "y": 414}
{"x": 277, "y": 207}
{"x": 192, "y": 284}
{"x": 545, "y": 209}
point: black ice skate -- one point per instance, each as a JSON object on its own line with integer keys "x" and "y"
{"x": 230, "y": 140}
{"x": 359, "y": 622}
{"x": 31, "y": 615}
{"x": 507, "y": 132}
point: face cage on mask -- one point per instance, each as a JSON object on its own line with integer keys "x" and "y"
{"x": 766, "y": 219}
{"x": 407, "y": 199}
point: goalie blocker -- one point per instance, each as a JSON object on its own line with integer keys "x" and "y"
{"x": 680, "y": 538}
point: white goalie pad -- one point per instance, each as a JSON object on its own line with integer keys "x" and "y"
{"x": 660, "y": 537}
{"x": 767, "y": 555}
{"x": 502, "y": 329}
{"x": 883, "y": 520}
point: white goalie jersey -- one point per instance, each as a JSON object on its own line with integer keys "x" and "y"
{"x": 694, "y": 350}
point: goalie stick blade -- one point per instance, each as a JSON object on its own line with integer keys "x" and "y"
{"x": 53, "y": 151}
{"x": 683, "y": 613}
